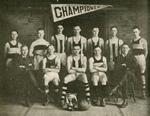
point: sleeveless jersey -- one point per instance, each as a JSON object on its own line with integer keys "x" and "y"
{"x": 12, "y": 49}
{"x": 77, "y": 44}
{"x": 59, "y": 45}
{"x": 79, "y": 65}
{"x": 113, "y": 50}
{"x": 98, "y": 61}
{"x": 95, "y": 45}
{"x": 137, "y": 47}
{"x": 50, "y": 63}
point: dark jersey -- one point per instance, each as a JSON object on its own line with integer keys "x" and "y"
{"x": 95, "y": 45}
{"x": 137, "y": 47}
{"x": 77, "y": 44}
{"x": 50, "y": 63}
{"x": 13, "y": 48}
{"x": 98, "y": 61}
{"x": 79, "y": 63}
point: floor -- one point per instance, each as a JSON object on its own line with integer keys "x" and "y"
{"x": 11, "y": 108}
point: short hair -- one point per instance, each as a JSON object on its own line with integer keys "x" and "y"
{"x": 113, "y": 27}
{"x": 76, "y": 26}
{"x": 76, "y": 46}
{"x": 124, "y": 44}
{"x": 97, "y": 47}
{"x": 50, "y": 45}
{"x": 14, "y": 31}
{"x": 24, "y": 46}
{"x": 60, "y": 25}
{"x": 40, "y": 29}
{"x": 136, "y": 27}
{"x": 96, "y": 28}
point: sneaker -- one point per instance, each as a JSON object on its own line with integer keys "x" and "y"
{"x": 28, "y": 103}
{"x": 93, "y": 101}
{"x": 98, "y": 103}
{"x": 103, "y": 102}
{"x": 70, "y": 108}
{"x": 46, "y": 101}
{"x": 143, "y": 95}
{"x": 124, "y": 104}
{"x": 51, "y": 99}
{"x": 89, "y": 102}
{"x": 63, "y": 104}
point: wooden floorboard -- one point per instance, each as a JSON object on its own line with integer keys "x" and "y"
{"x": 10, "y": 108}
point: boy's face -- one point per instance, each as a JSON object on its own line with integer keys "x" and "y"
{"x": 41, "y": 33}
{"x": 97, "y": 51}
{"x": 136, "y": 32}
{"x": 76, "y": 50}
{"x": 125, "y": 49}
{"x": 60, "y": 29}
{"x": 95, "y": 31}
{"x": 114, "y": 31}
{"x": 14, "y": 35}
{"x": 51, "y": 49}
{"x": 24, "y": 51}
{"x": 76, "y": 30}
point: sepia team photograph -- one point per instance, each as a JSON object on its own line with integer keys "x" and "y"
{"x": 74, "y": 58}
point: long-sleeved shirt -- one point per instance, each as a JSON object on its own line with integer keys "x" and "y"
{"x": 38, "y": 51}
{"x": 38, "y": 47}
{"x": 24, "y": 63}
{"x": 129, "y": 60}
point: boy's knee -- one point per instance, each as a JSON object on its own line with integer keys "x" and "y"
{"x": 84, "y": 78}
{"x": 56, "y": 82}
{"x": 95, "y": 83}
{"x": 67, "y": 79}
{"x": 104, "y": 82}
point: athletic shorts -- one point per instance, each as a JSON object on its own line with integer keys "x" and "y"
{"x": 141, "y": 62}
{"x": 63, "y": 58}
{"x": 99, "y": 77}
{"x": 50, "y": 76}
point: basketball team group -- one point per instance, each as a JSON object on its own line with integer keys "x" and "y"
{"x": 75, "y": 72}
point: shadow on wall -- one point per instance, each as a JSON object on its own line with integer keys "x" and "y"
{"x": 26, "y": 22}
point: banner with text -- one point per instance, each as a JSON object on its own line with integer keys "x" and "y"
{"x": 64, "y": 11}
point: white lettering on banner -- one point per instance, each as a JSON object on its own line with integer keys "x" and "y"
{"x": 64, "y": 11}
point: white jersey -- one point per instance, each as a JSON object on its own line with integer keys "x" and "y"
{"x": 59, "y": 42}
{"x": 112, "y": 48}
{"x": 38, "y": 51}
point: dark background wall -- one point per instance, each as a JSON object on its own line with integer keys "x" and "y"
{"x": 28, "y": 18}
{"x": 125, "y": 19}
{"x": 26, "y": 21}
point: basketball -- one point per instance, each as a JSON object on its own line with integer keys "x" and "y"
{"x": 83, "y": 105}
